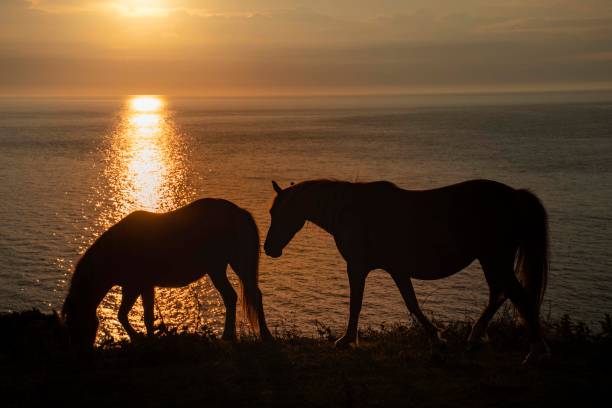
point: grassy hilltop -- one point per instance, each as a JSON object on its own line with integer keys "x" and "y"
{"x": 391, "y": 366}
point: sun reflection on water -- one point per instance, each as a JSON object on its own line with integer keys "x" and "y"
{"x": 146, "y": 165}
{"x": 146, "y": 168}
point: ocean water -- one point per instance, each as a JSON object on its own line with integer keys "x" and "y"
{"x": 70, "y": 168}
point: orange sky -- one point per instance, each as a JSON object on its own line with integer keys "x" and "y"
{"x": 215, "y": 47}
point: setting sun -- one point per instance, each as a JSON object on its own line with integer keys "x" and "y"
{"x": 146, "y": 104}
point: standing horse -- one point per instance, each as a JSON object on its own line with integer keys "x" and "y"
{"x": 173, "y": 249}
{"x": 428, "y": 234}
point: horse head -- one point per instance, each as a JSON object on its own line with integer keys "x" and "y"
{"x": 287, "y": 219}
{"x": 80, "y": 320}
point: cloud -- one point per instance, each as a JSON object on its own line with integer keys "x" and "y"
{"x": 291, "y": 44}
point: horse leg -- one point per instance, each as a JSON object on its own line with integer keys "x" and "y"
{"x": 404, "y": 284}
{"x": 228, "y": 294}
{"x": 497, "y": 298}
{"x": 538, "y": 350}
{"x": 148, "y": 299}
{"x": 357, "y": 276}
{"x": 478, "y": 335}
{"x": 128, "y": 298}
{"x": 264, "y": 332}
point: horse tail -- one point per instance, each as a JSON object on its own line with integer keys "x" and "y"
{"x": 246, "y": 266}
{"x": 532, "y": 262}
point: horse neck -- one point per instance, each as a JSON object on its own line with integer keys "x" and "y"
{"x": 89, "y": 287}
{"x": 323, "y": 203}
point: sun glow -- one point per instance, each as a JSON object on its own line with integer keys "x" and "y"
{"x": 146, "y": 104}
{"x": 141, "y": 8}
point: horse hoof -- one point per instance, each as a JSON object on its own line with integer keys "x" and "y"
{"x": 344, "y": 342}
{"x": 229, "y": 338}
{"x": 138, "y": 338}
{"x": 439, "y": 353}
{"x": 538, "y": 355}
{"x": 438, "y": 343}
{"x": 536, "y": 359}
{"x": 475, "y": 345}
{"x": 438, "y": 348}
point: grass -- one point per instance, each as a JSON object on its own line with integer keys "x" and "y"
{"x": 392, "y": 365}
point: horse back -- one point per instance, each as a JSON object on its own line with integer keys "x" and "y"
{"x": 170, "y": 248}
{"x": 455, "y": 205}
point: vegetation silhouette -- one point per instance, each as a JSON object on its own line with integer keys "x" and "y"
{"x": 172, "y": 249}
{"x": 392, "y": 367}
{"x": 429, "y": 234}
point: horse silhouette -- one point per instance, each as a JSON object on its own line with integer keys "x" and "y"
{"x": 172, "y": 249}
{"x": 429, "y": 234}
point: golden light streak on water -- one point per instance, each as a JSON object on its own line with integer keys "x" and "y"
{"x": 147, "y": 165}
{"x": 146, "y": 168}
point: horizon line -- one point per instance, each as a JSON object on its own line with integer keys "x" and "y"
{"x": 301, "y": 94}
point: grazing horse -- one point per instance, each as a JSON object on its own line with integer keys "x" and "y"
{"x": 172, "y": 249}
{"x": 429, "y": 234}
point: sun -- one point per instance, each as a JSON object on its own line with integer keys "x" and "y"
{"x": 142, "y": 8}
{"x": 146, "y": 103}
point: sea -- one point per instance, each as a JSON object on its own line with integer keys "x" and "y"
{"x": 72, "y": 167}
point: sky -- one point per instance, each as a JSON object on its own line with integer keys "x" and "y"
{"x": 299, "y": 47}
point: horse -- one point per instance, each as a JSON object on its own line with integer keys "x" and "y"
{"x": 427, "y": 235}
{"x": 146, "y": 250}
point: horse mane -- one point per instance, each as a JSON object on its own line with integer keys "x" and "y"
{"x": 339, "y": 188}
{"x": 335, "y": 182}
{"x": 316, "y": 186}
{"x": 326, "y": 199}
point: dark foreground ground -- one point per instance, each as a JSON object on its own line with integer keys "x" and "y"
{"x": 391, "y": 367}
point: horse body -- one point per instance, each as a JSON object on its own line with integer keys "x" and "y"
{"x": 428, "y": 234}
{"x": 166, "y": 250}
{"x": 146, "y": 250}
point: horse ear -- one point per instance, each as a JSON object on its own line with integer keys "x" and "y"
{"x": 276, "y": 187}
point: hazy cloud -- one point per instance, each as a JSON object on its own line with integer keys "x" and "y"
{"x": 169, "y": 46}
